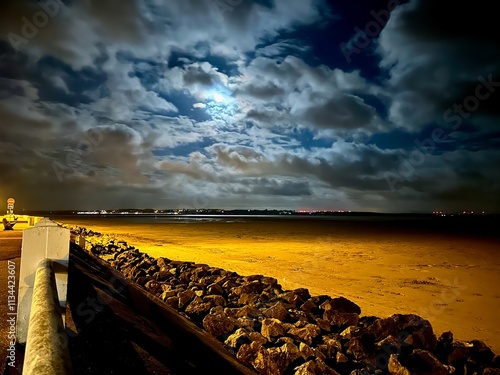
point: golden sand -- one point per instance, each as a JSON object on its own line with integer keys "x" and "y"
{"x": 450, "y": 280}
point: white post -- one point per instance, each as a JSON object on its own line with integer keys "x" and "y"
{"x": 45, "y": 240}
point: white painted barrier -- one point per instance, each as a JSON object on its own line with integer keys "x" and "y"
{"x": 45, "y": 240}
{"x": 47, "y": 350}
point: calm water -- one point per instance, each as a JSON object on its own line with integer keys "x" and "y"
{"x": 463, "y": 226}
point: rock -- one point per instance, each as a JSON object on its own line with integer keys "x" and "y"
{"x": 306, "y": 334}
{"x": 257, "y": 337}
{"x": 216, "y": 300}
{"x": 323, "y": 324}
{"x": 341, "y": 358}
{"x": 333, "y": 345}
{"x": 185, "y": 297}
{"x": 481, "y": 354}
{"x": 297, "y": 315}
{"x": 276, "y": 311}
{"x": 153, "y": 270}
{"x": 341, "y": 304}
{"x": 163, "y": 275}
{"x": 197, "y": 309}
{"x": 475, "y": 355}
{"x": 420, "y": 362}
{"x": 247, "y": 353}
{"x": 208, "y": 280}
{"x": 362, "y": 348}
{"x": 284, "y": 340}
{"x": 218, "y": 324}
{"x": 272, "y": 328}
{"x": 460, "y": 353}
{"x": 410, "y": 329}
{"x": 163, "y": 262}
{"x": 320, "y": 352}
{"x": 243, "y": 312}
{"x": 350, "y": 331}
{"x": 196, "y": 286}
{"x": 390, "y": 345}
{"x": 269, "y": 282}
{"x": 248, "y": 287}
{"x": 250, "y": 311}
{"x": 395, "y": 367}
{"x": 167, "y": 294}
{"x": 300, "y": 323}
{"x": 248, "y": 323}
{"x": 296, "y": 297}
{"x": 308, "y": 306}
{"x": 200, "y": 270}
{"x": 265, "y": 297}
{"x": 143, "y": 280}
{"x": 217, "y": 310}
{"x": 264, "y": 363}
{"x": 153, "y": 287}
{"x": 317, "y": 367}
{"x": 173, "y": 302}
{"x": 496, "y": 361}
{"x": 238, "y": 338}
{"x": 185, "y": 275}
{"x": 284, "y": 355}
{"x": 215, "y": 289}
{"x": 249, "y": 299}
{"x": 250, "y": 278}
{"x": 341, "y": 319}
{"x": 491, "y": 371}
{"x": 305, "y": 351}
{"x": 444, "y": 346}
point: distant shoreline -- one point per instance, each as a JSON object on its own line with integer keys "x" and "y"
{"x": 462, "y": 226}
{"x": 262, "y": 213}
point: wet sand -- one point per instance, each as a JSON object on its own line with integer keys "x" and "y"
{"x": 449, "y": 278}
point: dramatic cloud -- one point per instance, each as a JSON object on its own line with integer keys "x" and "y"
{"x": 148, "y": 103}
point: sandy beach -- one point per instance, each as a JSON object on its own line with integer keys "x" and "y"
{"x": 10, "y": 251}
{"x": 450, "y": 279}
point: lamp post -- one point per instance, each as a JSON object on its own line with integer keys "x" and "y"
{"x": 10, "y": 206}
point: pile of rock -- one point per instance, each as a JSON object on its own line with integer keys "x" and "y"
{"x": 278, "y": 331}
{"x": 101, "y": 245}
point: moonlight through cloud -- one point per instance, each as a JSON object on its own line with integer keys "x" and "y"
{"x": 388, "y": 106}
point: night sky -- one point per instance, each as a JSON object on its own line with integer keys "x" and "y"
{"x": 387, "y": 106}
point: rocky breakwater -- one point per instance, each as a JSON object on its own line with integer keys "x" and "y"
{"x": 278, "y": 331}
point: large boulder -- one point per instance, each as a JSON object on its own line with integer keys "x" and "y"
{"x": 238, "y": 338}
{"x": 412, "y": 330}
{"x": 218, "y": 324}
{"x": 316, "y": 367}
{"x": 341, "y": 304}
{"x": 419, "y": 362}
{"x": 272, "y": 328}
{"x": 341, "y": 319}
{"x": 276, "y": 311}
{"x": 306, "y": 334}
